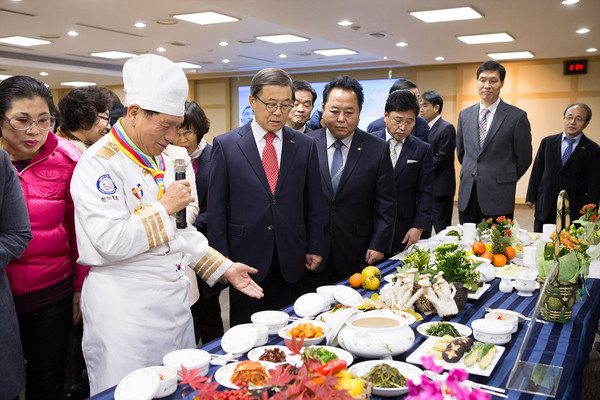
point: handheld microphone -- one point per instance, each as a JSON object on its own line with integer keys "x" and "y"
{"x": 180, "y": 216}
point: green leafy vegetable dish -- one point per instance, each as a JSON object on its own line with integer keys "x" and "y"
{"x": 385, "y": 376}
{"x": 441, "y": 329}
{"x": 323, "y": 355}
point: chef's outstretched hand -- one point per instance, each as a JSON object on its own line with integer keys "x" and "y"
{"x": 238, "y": 276}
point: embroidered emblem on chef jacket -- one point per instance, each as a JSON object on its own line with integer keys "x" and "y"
{"x": 137, "y": 191}
{"x": 106, "y": 185}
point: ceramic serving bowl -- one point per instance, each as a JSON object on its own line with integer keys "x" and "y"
{"x": 262, "y": 331}
{"x": 189, "y": 358}
{"x": 525, "y": 283}
{"x": 492, "y": 330}
{"x": 510, "y": 318}
{"x": 378, "y": 335}
{"x": 284, "y": 332}
{"x": 168, "y": 381}
{"x": 275, "y": 320}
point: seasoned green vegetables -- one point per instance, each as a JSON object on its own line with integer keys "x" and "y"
{"x": 385, "y": 376}
{"x": 442, "y": 328}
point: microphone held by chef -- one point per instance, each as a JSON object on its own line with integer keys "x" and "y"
{"x": 180, "y": 168}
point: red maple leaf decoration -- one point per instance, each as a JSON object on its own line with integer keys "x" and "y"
{"x": 192, "y": 378}
{"x": 280, "y": 376}
{"x": 295, "y": 345}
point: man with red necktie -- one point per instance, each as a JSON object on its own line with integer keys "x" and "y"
{"x": 264, "y": 198}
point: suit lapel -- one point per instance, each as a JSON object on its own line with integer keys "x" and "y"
{"x": 354, "y": 154}
{"x": 248, "y": 147}
{"x": 408, "y": 148}
{"x": 577, "y": 152}
{"x": 499, "y": 117}
{"x": 323, "y": 162}
{"x": 288, "y": 154}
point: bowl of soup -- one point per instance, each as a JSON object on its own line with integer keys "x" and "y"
{"x": 376, "y": 335}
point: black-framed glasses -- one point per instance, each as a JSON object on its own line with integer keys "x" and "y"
{"x": 24, "y": 123}
{"x": 272, "y": 107}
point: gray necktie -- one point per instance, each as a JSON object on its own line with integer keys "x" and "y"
{"x": 393, "y": 152}
{"x": 336, "y": 165}
{"x": 483, "y": 126}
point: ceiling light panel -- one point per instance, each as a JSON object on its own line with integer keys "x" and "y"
{"x": 78, "y": 83}
{"x": 511, "y": 55}
{"x": 279, "y": 39}
{"x": 448, "y": 14}
{"x": 335, "y": 52}
{"x": 486, "y": 38}
{"x": 112, "y": 55}
{"x": 187, "y": 65}
{"x": 206, "y": 18}
{"x": 23, "y": 41}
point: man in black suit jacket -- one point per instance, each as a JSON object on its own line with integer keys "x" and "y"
{"x": 561, "y": 166}
{"x": 264, "y": 197}
{"x": 442, "y": 137}
{"x": 360, "y": 197}
{"x": 420, "y": 129}
{"x": 413, "y": 169}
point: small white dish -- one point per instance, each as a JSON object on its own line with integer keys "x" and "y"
{"x": 309, "y": 305}
{"x": 479, "y": 292}
{"x": 347, "y": 296}
{"x": 168, "y": 381}
{"x": 262, "y": 333}
{"x": 342, "y": 354}
{"x": 464, "y": 330}
{"x": 407, "y": 370}
{"x": 510, "y": 318}
{"x": 492, "y": 330}
{"x": 284, "y": 332}
{"x": 141, "y": 384}
{"x": 224, "y": 374}
{"x": 239, "y": 339}
{"x": 190, "y": 358}
{"x": 255, "y": 353}
{"x": 275, "y": 320}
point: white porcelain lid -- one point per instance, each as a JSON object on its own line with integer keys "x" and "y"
{"x": 141, "y": 384}
{"x": 309, "y": 304}
{"x": 492, "y": 326}
{"x": 270, "y": 317}
{"x": 239, "y": 339}
{"x": 347, "y": 296}
{"x": 337, "y": 321}
{"x": 190, "y": 358}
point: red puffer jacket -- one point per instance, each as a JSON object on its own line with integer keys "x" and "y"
{"x": 52, "y": 254}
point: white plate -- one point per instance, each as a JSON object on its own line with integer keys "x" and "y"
{"x": 474, "y": 369}
{"x": 309, "y": 305}
{"x": 141, "y": 384}
{"x": 254, "y": 354}
{"x": 341, "y": 353}
{"x": 347, "y": 296}
{"x": 462, "y": 329}
{"x": 284, "y": 332}
{"x": 479, "y": 292}
{"x": 239, "y": 339}
{"x": 224, "y": 374}
{"x": 407, "y": 370}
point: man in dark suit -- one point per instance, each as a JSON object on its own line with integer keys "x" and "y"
{"x": 493, "y": 144}
{"x": 420, "y": 129}
{"x": 413, "y": 169}
{"x": 442, "y": 137}
{"x": 264, "y": 199}
{"x": 303, "y": 105}
{"x": 567, "y": 161}
{"x": 358, "y": 185}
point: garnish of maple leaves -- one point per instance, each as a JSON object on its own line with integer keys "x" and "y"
{"x": 192, "y": 378}
{"x": 295, "y": 345}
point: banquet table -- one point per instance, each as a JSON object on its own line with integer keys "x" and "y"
{"x": 567, "y": 345}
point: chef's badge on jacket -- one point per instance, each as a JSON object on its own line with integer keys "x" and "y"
{"x": 107, "y": 187}
{"x": 137, "y": 191}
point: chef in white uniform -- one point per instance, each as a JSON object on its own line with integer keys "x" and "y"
{"x": 135, "y": 300}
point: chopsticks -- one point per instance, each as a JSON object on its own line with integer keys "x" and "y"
{"x": 494, "y": 391}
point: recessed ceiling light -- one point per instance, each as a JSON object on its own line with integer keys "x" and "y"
{"x": 486, "y": 38}
{"x": 345, "y": 23}
{"x": 582, "y": 30}
{"x": 285, "y": 38}
{"x": 73, "y": 33}
{"x": 448, "y": 14}
{"x": 139, "y": 25}
{"x": 206, "y": 18}
{"x": 78, "y": 83}
{"x": 511, "y": 55}
{"x": 282, "y": 56}
{"x": 246, "y": 41}
{"x": 225, "y": 61}
{"x": 161, "y": 49}
{"x": 401, "y": 44}
{"x": 43, "y": 73}
{"x": 223, "y": 44}
{"x": 50, "y": 36}
{"x": 335, "y": 52}
{"x": 3, "y": 77}
{"x": 385, "y": 57}
{"x": 591, "y": 50}
{"x": 167, "y": 21}
{"x": 187, "y": 65}
{"x": 23, "y": 41}
{"x": 440, "y": 58}
{"x": 112, "y": 55}
{"x": 569, "y": 2}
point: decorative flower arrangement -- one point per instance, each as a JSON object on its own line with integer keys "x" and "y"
{"x": 501, "y": 233}
{"x": 574, "y": 260}
{"x": 589, "y": 220}
{"x": 450, "y": 388}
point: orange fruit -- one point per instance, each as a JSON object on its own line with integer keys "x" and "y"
{"x": 510, "y": 253}
{"x": 478, "y": 248}
{"x": 356, "y": 280}
{"x": 487, "y": 255}
{"x": 499, "y": 260}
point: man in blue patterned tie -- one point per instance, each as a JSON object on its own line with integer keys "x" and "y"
{"x": 567, "y": 161}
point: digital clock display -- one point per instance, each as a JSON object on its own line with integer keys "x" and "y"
{"x": 575, "y": 67}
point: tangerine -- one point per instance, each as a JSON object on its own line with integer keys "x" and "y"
{"x": 510, "y": 252}
{"x": 499, "y": 260}
{"x": 478, "y": 248}
{"x": 487, "y": 255}
{"x": 356, "y": 280}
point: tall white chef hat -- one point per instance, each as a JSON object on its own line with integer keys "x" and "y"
{"x": 155, "y": 84}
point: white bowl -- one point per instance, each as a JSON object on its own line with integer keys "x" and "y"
{"x": 285, "y": 332}
{"x": 275, "y": 320}
{"x": 168, "y": 381}
{"x": 492, "y": 331}
{"x": 263, "y": 334}
{"x": 190, "y": 358}
{"x": 510, "y": 318}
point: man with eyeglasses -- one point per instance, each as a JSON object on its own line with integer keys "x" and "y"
{"x": 303, "y": 106}
{"x": 264, "y": 198}
{"x": 413, "y": 169}
{"x": 567, "y": 161}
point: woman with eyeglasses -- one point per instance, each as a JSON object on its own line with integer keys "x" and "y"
{"x": 46, "y": 280}
{"x": 85, "y": 115}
